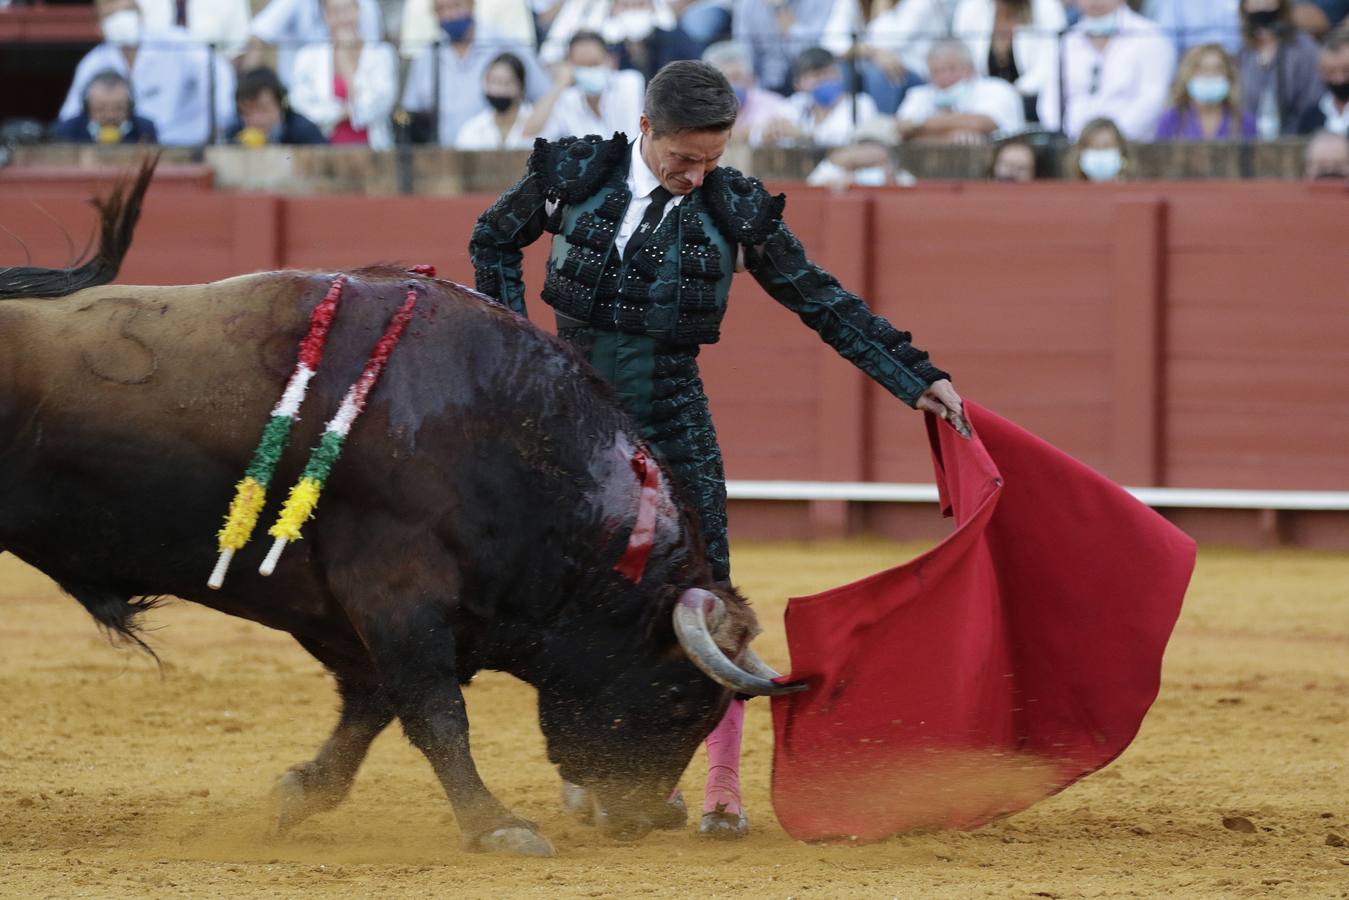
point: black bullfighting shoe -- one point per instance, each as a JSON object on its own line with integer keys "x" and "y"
{"x": 720, "y": 825}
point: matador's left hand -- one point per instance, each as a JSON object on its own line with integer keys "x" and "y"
{"x": 942, "y": 401}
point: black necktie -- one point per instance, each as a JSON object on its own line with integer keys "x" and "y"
{"x": 650, "y": 219}
{"x": 182, "y": 13}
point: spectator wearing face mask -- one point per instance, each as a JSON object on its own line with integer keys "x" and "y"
{"x": 108, "y": 116}
{"x": 502, "y": 125}
{"x": 1190, "y": 23}
{"x": 758, "y": 107}
{"x": 419, "y": 27}
{"x": 1116, "y": 64}
{"x": 264, "y": 115}
{"x": 957, "y": 105}
{"x": 1278, "y": 65}
{"x": 1013, "y": 40}
{"x": 869, "y": 161}
{"x": 446, "y": 79}
{"x": 821, "y": 113}
{"x": 289, "y": 25}
{"x": 1327, "y": 157}
{"x": 1331, "y": 112}
{"x": 1017, "y": 161}
{"x": 347, "y": 86}
{"x": 644, "y": 36}
{"x": 177, "y": 83}
{"x": 1205, "y": 102}
{"x": 222, "y": 23}
{"x": 1101, "y": 153}
{"x": 589, "y": 96}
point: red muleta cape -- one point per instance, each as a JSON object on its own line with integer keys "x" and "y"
{"x": 1016, "y": 657}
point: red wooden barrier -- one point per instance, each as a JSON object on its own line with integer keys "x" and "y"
{"x": 1181, "y": 334}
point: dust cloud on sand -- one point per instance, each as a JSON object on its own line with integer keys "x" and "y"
{"x": 118, "y": 779}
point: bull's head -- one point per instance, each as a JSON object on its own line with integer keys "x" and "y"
{"x": 630, "y": 737}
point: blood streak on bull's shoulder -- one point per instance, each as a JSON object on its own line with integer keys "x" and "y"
{"x": 635, "y": 501}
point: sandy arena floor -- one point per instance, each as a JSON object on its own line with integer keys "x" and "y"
{"x": 118, "y": 780}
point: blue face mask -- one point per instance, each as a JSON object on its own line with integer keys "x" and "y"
{"x": 457, "y": 29}
{"x": 1101, "y": 26}
{"x": 825, "y": 93}
{"x": 1101, "y": 164}
{"x": 1208, "y": 89}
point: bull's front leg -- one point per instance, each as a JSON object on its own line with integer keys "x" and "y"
{"x": 414, "y": 651}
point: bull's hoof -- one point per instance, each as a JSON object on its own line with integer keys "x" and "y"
{"x": 673, "y": 816}
{"x": 578, "y": 803}
{"x": 516, "y": 840}
{"x": 719, "y": 825}
{"x": 294, "y": 799}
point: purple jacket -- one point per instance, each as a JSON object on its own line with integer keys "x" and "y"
{"x": 1183, "y": 125}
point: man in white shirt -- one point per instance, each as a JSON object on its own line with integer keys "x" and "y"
{"x": 958, "y": 106}
{"x": 290, "y": 24}
{"x": 590, "y": 95}
{"x": 177, "y": 82}
{"x": 453, "y": 72}
{"x": 1116, "y": 65}
{"x": 904, "y": 33}
{"x": 822, "y": 112}
{"x": 221, "y": 23}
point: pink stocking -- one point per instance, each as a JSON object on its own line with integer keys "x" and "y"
{"x": 723, "y": 762}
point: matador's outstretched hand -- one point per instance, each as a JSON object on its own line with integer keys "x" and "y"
{"x": 942, "y": 401}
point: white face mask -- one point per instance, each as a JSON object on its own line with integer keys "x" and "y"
{"x": 123, "y": 28}
{"x": 1101, "y": 26}
{"x": 951, "y": 97}
{"x": 630, "y": 25}
{"x": 592, "y": 80}
{"x": 1101, "y": 163}
{"x": 872, "y": 176}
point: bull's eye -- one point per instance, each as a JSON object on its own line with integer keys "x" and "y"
{"x": 618, "y": 723}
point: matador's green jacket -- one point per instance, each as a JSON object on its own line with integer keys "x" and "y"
{"x": 640, "y": 322}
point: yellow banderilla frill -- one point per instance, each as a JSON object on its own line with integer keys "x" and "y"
{"x": 299, "y": 508}
{"x": 249, "y": 498}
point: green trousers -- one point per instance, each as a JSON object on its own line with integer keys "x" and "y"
{"x": 659, "y": 387}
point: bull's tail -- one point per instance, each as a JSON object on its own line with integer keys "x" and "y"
{"x": 118, "y": 213}
{"x": 114, "y": 612}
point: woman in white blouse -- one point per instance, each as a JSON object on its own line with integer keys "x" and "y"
{"x": 347, "y": 87}
{"x": 1013, "y": 39}
{"x": 501, "y": 126}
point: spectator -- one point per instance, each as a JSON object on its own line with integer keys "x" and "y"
{"x": 1331, "y": 112}
{"x": 644, "y": 36}
{"x": 1116, "y": 64}
{"x": 758, "y": 107}
{"x": 1205, "y": 101}
{"x": 901, "y": 37}
{"x": 869, "y": 161}
{"x": 1100, "y": 154}
{"x": 346, "y": 86}
{"x": 446, "y": 80}
{"x": 820, "y": 113}
{"x": 776, "y": 31}
{"x": 1320, "y": 17}
{"x": 1278, "y": 67}
{"x": 1327, "y": 157}
{"x": 108, "y": 116}
{"x": 957, "y": 105}
{"x": 221, "y": 23}
{"x": 419, "y": 26}
{"x": 1013, "y": 40}
{"x": 1190, "y": 23}
{"x": 703, "y": 21}
{"x": 264, "y": 115}
{"x": 502, "y": 125}
{"x": 172, "y": 77}
{"x": 292, "y": 24}
{"x": 589, "y": 95}
{"x": 1016, "y": 160}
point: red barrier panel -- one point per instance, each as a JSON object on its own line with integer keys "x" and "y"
{"x": 1183, "y": 334}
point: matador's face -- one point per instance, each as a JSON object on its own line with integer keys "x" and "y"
{"x": 682, "y": 159}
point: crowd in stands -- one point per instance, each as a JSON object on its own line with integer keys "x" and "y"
{"x": 850, "y": 76}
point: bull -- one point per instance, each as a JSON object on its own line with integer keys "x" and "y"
{"x": 474, "y": 522}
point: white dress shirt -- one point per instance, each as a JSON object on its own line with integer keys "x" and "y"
{"x": 460, "y": 80}
{"x": 172, "y": 80}
{"x": 1337, "y": 120}
{"x": 481, "y": 132}
{"x": 909, "y": 28}
{"x": 1127, "y": 82}
{"x": 223, "y": 23}
{"x": 990, "y": 97}
{"x": 371, "y": 94}
{"x": 1033, "y": 43}
{"x": 292, "y": 24}
{"x": 620, "y": 109}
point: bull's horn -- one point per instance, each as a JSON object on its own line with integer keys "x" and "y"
{"x": 690, "y": 624}
{"x": 751, "y": 663}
